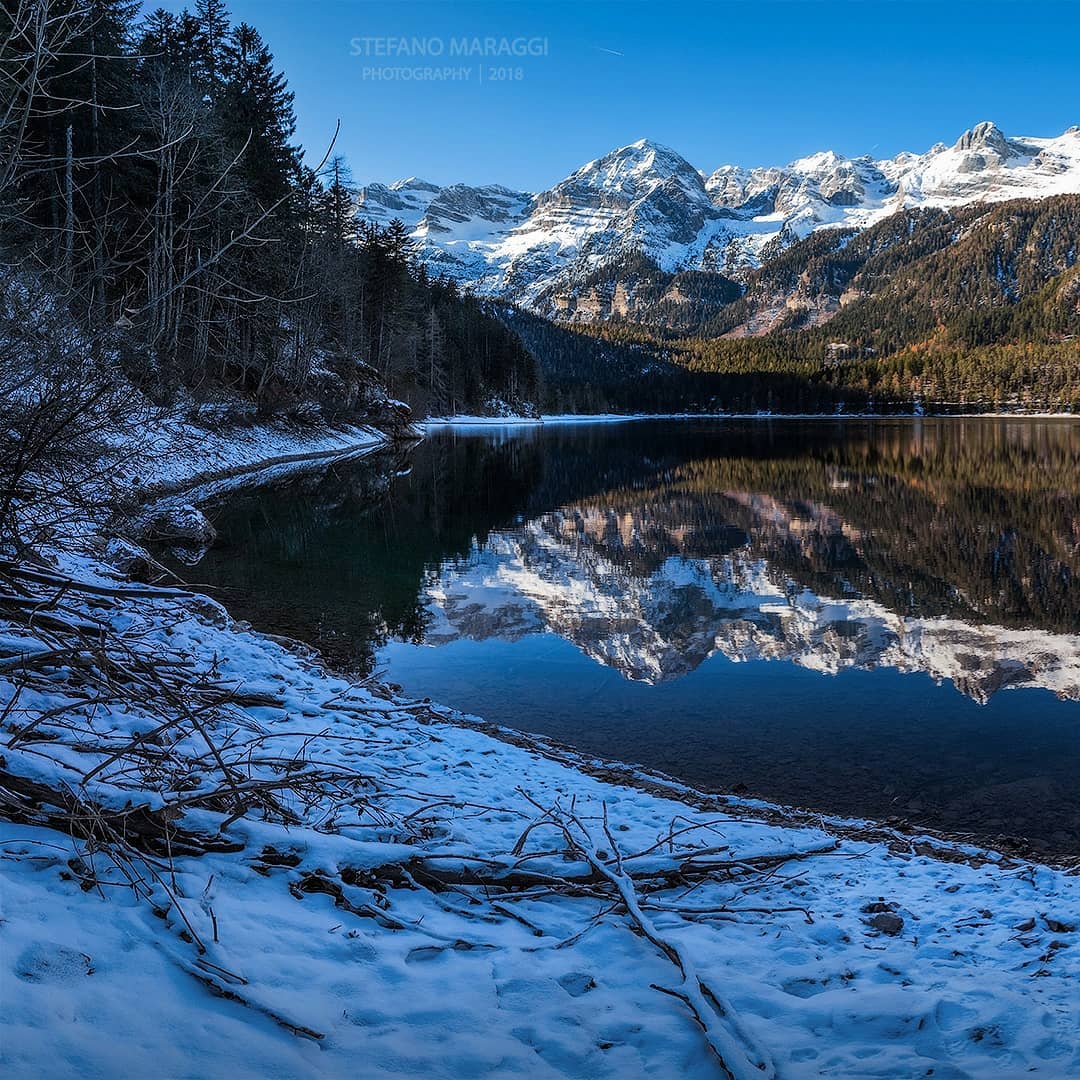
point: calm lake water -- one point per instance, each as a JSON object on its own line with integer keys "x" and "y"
{"x": 877, "y": 618}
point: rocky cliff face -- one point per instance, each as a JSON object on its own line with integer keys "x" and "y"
{"x": 646, "y": 201}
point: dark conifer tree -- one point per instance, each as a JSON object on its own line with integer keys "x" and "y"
{"x": 258, "y": 110}
{"x": 159, "y": 184}
{"x": 211, "y": 32}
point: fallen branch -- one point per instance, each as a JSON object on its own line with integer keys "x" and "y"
{"x": 736, "y": 1050}
{"x": 125, "y": 592}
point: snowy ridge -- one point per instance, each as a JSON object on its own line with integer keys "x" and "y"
{"x": 646, "y": 198}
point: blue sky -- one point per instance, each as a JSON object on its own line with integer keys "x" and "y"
{"x": 753, "y": 83}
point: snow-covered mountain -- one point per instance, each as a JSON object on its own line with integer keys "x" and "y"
{"x": 645, "y": 198}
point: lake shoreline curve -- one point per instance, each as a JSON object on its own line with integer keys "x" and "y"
{"x": 254, "y": 824}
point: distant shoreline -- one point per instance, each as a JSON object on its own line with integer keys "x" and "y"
{"x": 432, "y": 423}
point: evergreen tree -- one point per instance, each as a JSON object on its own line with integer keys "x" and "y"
{"x": 159, "y": 185}
{"x": 258, "y": 112}
{"x": 211, "y": 33}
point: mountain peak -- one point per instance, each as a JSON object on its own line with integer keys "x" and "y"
{"x": 634, "y": 169}
{"x": 819, "y": 164}
{"x": 822, "y": 157}
{"x": 648, "y": 156}
{"x": 413, "y": 183}
{"x": 985, "y": 135}
{"x": 648, "y": 144}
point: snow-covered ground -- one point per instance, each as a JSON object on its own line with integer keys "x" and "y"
{"x": 261, "y": 869}
{"x": 174, "y": 452}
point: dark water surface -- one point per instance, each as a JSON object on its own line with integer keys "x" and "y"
{"x": 877, "y": 618}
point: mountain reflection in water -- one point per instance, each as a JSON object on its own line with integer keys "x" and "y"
{"x": 948, "y": 549}
{"x": 572, "y": 573}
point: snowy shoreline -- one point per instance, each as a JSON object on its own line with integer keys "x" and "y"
{"x": 397, "y": 892}
{"x": 184, "y": 457}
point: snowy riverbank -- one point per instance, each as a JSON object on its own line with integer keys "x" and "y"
{"x": 225, "y": 860}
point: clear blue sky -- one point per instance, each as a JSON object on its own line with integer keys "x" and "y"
{"x": 752, "y": 83}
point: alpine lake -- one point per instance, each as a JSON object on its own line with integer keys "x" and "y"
{"x": 874, "y": 618}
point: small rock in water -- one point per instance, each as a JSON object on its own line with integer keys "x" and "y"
{"x": 887, "y": 923}
{"x": 185, "y": 523}
{"x": 189, "y": 554}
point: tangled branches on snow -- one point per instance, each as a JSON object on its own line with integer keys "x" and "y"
{"x": 124, "y": 725}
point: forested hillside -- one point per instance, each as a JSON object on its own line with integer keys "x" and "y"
{"x": 979, "y": 306}
{"x": 900, "y": 280}
{"x": 156, "y": 204}
{"x": 587, "y": 369}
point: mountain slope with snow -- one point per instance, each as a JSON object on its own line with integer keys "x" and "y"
{"x": 645, "y": 199}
